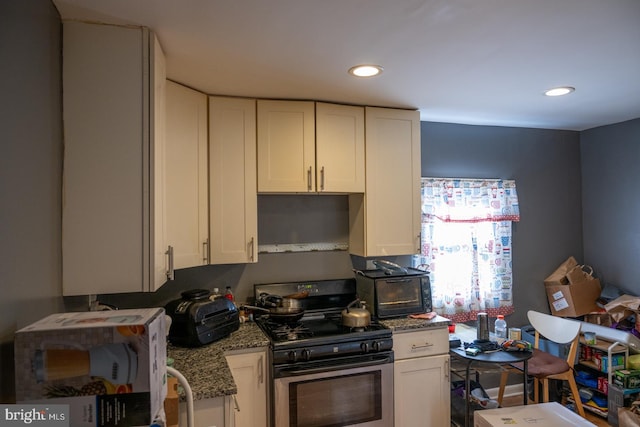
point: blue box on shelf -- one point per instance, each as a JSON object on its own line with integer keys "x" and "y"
{"x": 560, "y": 350}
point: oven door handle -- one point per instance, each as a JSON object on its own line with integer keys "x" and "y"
{"x": 401, "y": 280}
{"x": 307, "y": 371}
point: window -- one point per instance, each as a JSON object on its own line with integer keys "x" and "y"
{"x": 466, "y": 245}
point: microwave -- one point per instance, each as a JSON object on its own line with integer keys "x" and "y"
{"x": 393, "y": 293}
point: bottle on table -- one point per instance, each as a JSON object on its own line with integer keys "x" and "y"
{"x": 500, "y": 327}
{"x": 229, "y": 295}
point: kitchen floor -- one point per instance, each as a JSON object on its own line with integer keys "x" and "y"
{"x": 517, "y": 400}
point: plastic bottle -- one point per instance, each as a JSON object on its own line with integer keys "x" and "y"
{"x": 501, "y": 327}
{"x": 229, "y": 295}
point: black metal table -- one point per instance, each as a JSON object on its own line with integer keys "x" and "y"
{"x": 498, "y": 357}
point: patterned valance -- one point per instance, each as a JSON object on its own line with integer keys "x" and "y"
{"x": 470, "y": 200}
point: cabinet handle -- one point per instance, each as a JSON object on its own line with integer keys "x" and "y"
{"x": 260, "y": 371}
{"x": 205, "y": 252}
{"x": 309, "y": 179}
{"x": 418, "y": 347}
{"x": 169, "y": 254}
{"x": 419, "y": 243}
{"x": 322, "y": 179}
{"x": 252, "y": 250}
{"x": 447, "y": 369}
{"x": 235, "y": 403}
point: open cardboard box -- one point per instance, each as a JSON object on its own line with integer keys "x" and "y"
{"x": 571, "y": 291}
{"x": 573, "y": 300}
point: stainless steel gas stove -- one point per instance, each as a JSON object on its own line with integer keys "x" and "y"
{"x": 325, "y": 374}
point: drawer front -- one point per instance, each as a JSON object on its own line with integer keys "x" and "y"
{"x": 420, "y": 343}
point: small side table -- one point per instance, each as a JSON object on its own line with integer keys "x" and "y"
{"x": 496, "y": 357}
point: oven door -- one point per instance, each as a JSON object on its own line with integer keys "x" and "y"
{"x": 349, "y": 392}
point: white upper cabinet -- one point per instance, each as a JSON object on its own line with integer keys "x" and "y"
{"x": 339, "y": 148}
{"x": 286, "y": 146}
{"x": 186, "y": 189}
{"x": 307, "y": 147}
{"x": 113, "y": 107}
{"x": 233, "y": 199}
{"x": 386, "y": 219}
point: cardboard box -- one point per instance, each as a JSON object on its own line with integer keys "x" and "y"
{"x": 601, "y": 360}
{"x": 108, "y": 366}
{"x": 627, "y": 378}
{"x": 171, "y": 403}
{"x": 551, "y": 414}
{"x": 573, "y": 300}
{"x": 599, "y": 318}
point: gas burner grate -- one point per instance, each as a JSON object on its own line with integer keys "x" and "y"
{"x": 287, "y": 332}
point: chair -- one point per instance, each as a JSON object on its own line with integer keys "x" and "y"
{"x": 544, "y": 366}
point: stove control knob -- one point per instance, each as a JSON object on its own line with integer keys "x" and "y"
{"x": 376, "y": 345}
{"x": 364, "y": 347}
{"x": 305, "y": 354}
{"x": 292, "y": 356}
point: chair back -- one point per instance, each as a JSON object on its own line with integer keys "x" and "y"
{"x": 556, "y": 329}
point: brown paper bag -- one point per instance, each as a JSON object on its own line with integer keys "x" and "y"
{"x": 559, "y": 276}
{"x": 628, "y": 418}
{"x": 579, "y": 274}
{"x": 623, "y": 307}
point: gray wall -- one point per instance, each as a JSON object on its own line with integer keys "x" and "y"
{"x": 546, "y": 167}
{"x": 30, "y": 168}
{"x": 611, "y": 203}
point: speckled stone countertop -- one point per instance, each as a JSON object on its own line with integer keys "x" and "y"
{"x": 206, "y": 369}
{"x": 406, "y": 324}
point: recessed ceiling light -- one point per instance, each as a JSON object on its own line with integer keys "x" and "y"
{"x": 365, "y": 70}
{"x": 558, "y": 91}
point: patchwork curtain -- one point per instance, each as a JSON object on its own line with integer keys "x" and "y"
{"x": 466, "y": 245}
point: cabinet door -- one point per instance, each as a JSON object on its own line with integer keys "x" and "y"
{"x": 422, "y": 392}
{"x": 161, "y": 270}
{"x": 233, "y": 199}
{"x": 206, "y": 412}
{"x": 187, "y": 222}
{"x": 286, "y": 146}
{"x": 386, "y": 219}
{"x": 339, "y": 148}
{"x": 108, "y": 219}
{"x": 249, "y": 370}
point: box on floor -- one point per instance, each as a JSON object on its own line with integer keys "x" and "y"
{"x": 108, "y": 366}
{"x": 551, "y": 414}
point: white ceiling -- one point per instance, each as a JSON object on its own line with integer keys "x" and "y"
{"x": 459, "y": 61}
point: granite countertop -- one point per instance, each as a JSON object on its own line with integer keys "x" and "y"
{"x": 407, "y": 324}
{"x": 206, "y": 369}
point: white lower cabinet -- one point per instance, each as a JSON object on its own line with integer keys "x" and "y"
{"x": 207, "y": 412}
{"x": 421, "y": 378}
{"x": 249, "y": 406}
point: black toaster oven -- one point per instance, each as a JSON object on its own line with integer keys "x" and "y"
{"x": 394, "y": 293}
